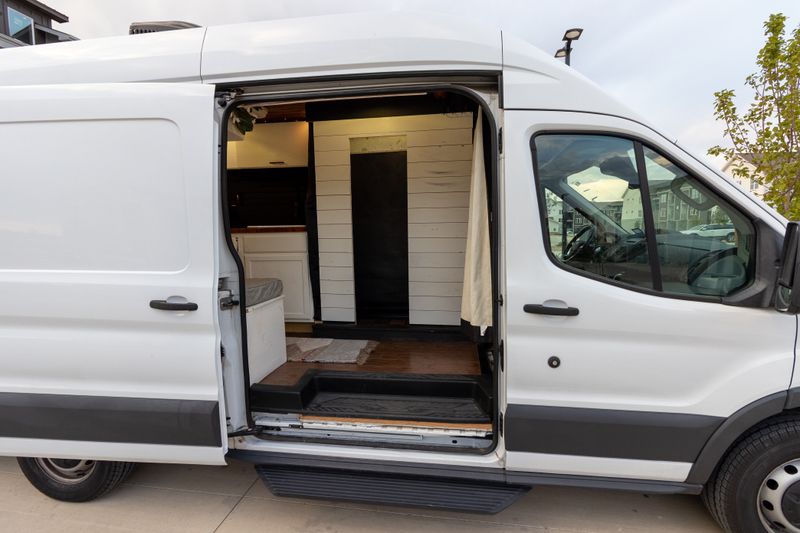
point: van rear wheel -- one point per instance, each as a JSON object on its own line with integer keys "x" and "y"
{"x": 757, "y": 486}
{"x": 74, "y": 480}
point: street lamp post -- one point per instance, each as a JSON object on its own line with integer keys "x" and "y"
{"x": 572, "y": 34}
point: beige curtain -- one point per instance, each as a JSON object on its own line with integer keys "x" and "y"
{"x": 476, "y": 299}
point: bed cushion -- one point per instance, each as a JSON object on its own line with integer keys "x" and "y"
{"x": 260, "y": 290}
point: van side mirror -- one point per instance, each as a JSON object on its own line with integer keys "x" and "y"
{"x": 787, "y": 295}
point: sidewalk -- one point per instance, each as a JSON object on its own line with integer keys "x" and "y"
{"x": 170, "y": 498}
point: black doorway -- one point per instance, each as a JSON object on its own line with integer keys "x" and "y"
{"x": 380, "y": 235}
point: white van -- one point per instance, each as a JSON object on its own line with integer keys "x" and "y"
{"x": 397, "y": 259}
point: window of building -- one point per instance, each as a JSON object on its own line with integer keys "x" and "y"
{"x": 623, "y": 203}
{"x": 20, "y": 26}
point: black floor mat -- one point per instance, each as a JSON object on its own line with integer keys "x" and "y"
{"x": 421, "y": 397}
{"x": 355, "y": 405}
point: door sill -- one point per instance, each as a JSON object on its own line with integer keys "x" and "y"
{"x": 375, "y": 432}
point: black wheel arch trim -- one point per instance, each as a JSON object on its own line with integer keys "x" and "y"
{"x": 792, "y": 398}
{"x": 734, "y": 427}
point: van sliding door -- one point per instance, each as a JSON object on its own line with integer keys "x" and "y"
{"x": 108, "y": 342}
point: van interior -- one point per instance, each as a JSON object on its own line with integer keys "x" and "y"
{"x": 362, "y": 229}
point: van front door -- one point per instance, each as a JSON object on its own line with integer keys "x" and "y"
{"x": 621, "y": 359}
{"x": 109, "y": 347}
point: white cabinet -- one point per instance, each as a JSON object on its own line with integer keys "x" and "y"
{"x": 292, "y": 270}
{"x": 274, "y": 145}
{"x": 283, "y": 256}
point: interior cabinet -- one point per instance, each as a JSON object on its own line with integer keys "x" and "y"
{"x": 292, "y": 270}
{"x": 283, "y": 256}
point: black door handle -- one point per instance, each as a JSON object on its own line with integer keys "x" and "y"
{"x": 539, "y": 309}
{"x": 164, "y": 305}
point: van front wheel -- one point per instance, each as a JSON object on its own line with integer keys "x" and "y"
{"x": 73, "y": 480}
{"x": 757, "y": 486}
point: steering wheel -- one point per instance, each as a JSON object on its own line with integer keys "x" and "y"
{"x": 578, "y": 243}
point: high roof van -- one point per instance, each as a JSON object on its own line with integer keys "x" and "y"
{"x": 388, "y": 258}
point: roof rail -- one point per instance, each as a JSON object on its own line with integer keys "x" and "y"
{"x": 157, "y": 26}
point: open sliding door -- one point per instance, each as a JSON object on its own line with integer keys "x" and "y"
{"x": 108, "y": 342}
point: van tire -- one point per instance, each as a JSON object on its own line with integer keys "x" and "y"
{"x": 96, "y": 479}
{"x": 733, "y": 494}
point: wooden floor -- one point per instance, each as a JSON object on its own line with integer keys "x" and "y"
{"x": 395, "y": 357}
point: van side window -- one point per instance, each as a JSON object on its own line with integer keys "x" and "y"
{"x": 704, "y": 245}
{"x": 594, "y": 206}
{"x": 613, "y": 204}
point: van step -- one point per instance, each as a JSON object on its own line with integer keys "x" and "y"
{"x": 390, "y": 489}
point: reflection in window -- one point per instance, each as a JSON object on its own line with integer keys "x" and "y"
{"x": 594, "y": 206}
{"x": 20, "y": 26}
{"x": 597, "y": 218}
{"x": 704, "y": 246}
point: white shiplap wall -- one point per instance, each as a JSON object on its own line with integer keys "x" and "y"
{"x": 439, "y": 149}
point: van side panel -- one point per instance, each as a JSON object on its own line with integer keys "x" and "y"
{"x": 107, "y": 206}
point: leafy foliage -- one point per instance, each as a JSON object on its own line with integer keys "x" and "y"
{"x": 768, "y": 132}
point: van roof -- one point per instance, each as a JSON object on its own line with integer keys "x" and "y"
{"x": 349, "y": 44}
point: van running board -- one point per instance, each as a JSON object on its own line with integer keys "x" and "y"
{"x": 389, "y": 489}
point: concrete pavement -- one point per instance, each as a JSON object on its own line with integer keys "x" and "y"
{"x": 177, "y": 498}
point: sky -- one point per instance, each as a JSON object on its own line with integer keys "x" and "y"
{"x": 663, "y": 59}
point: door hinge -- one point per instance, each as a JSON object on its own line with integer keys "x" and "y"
{"x": 500, "y": 424}
{"x": 500, "y": 299}
{"x": 500, "y": 140}
{"x": 229, "y": 302}
{"x": 221, "y": 351}
{"x": 224, "y": 98}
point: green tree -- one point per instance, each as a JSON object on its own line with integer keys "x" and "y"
{"x": 769, "y": 130}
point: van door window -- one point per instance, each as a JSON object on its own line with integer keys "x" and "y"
{"x": 704, "y": 245}
{"x": 609, "y": 210}
{"x": 593, "y": 199}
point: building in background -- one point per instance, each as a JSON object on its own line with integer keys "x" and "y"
{"x": 26, "y": 22}
{"x": 744, "y": 160}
